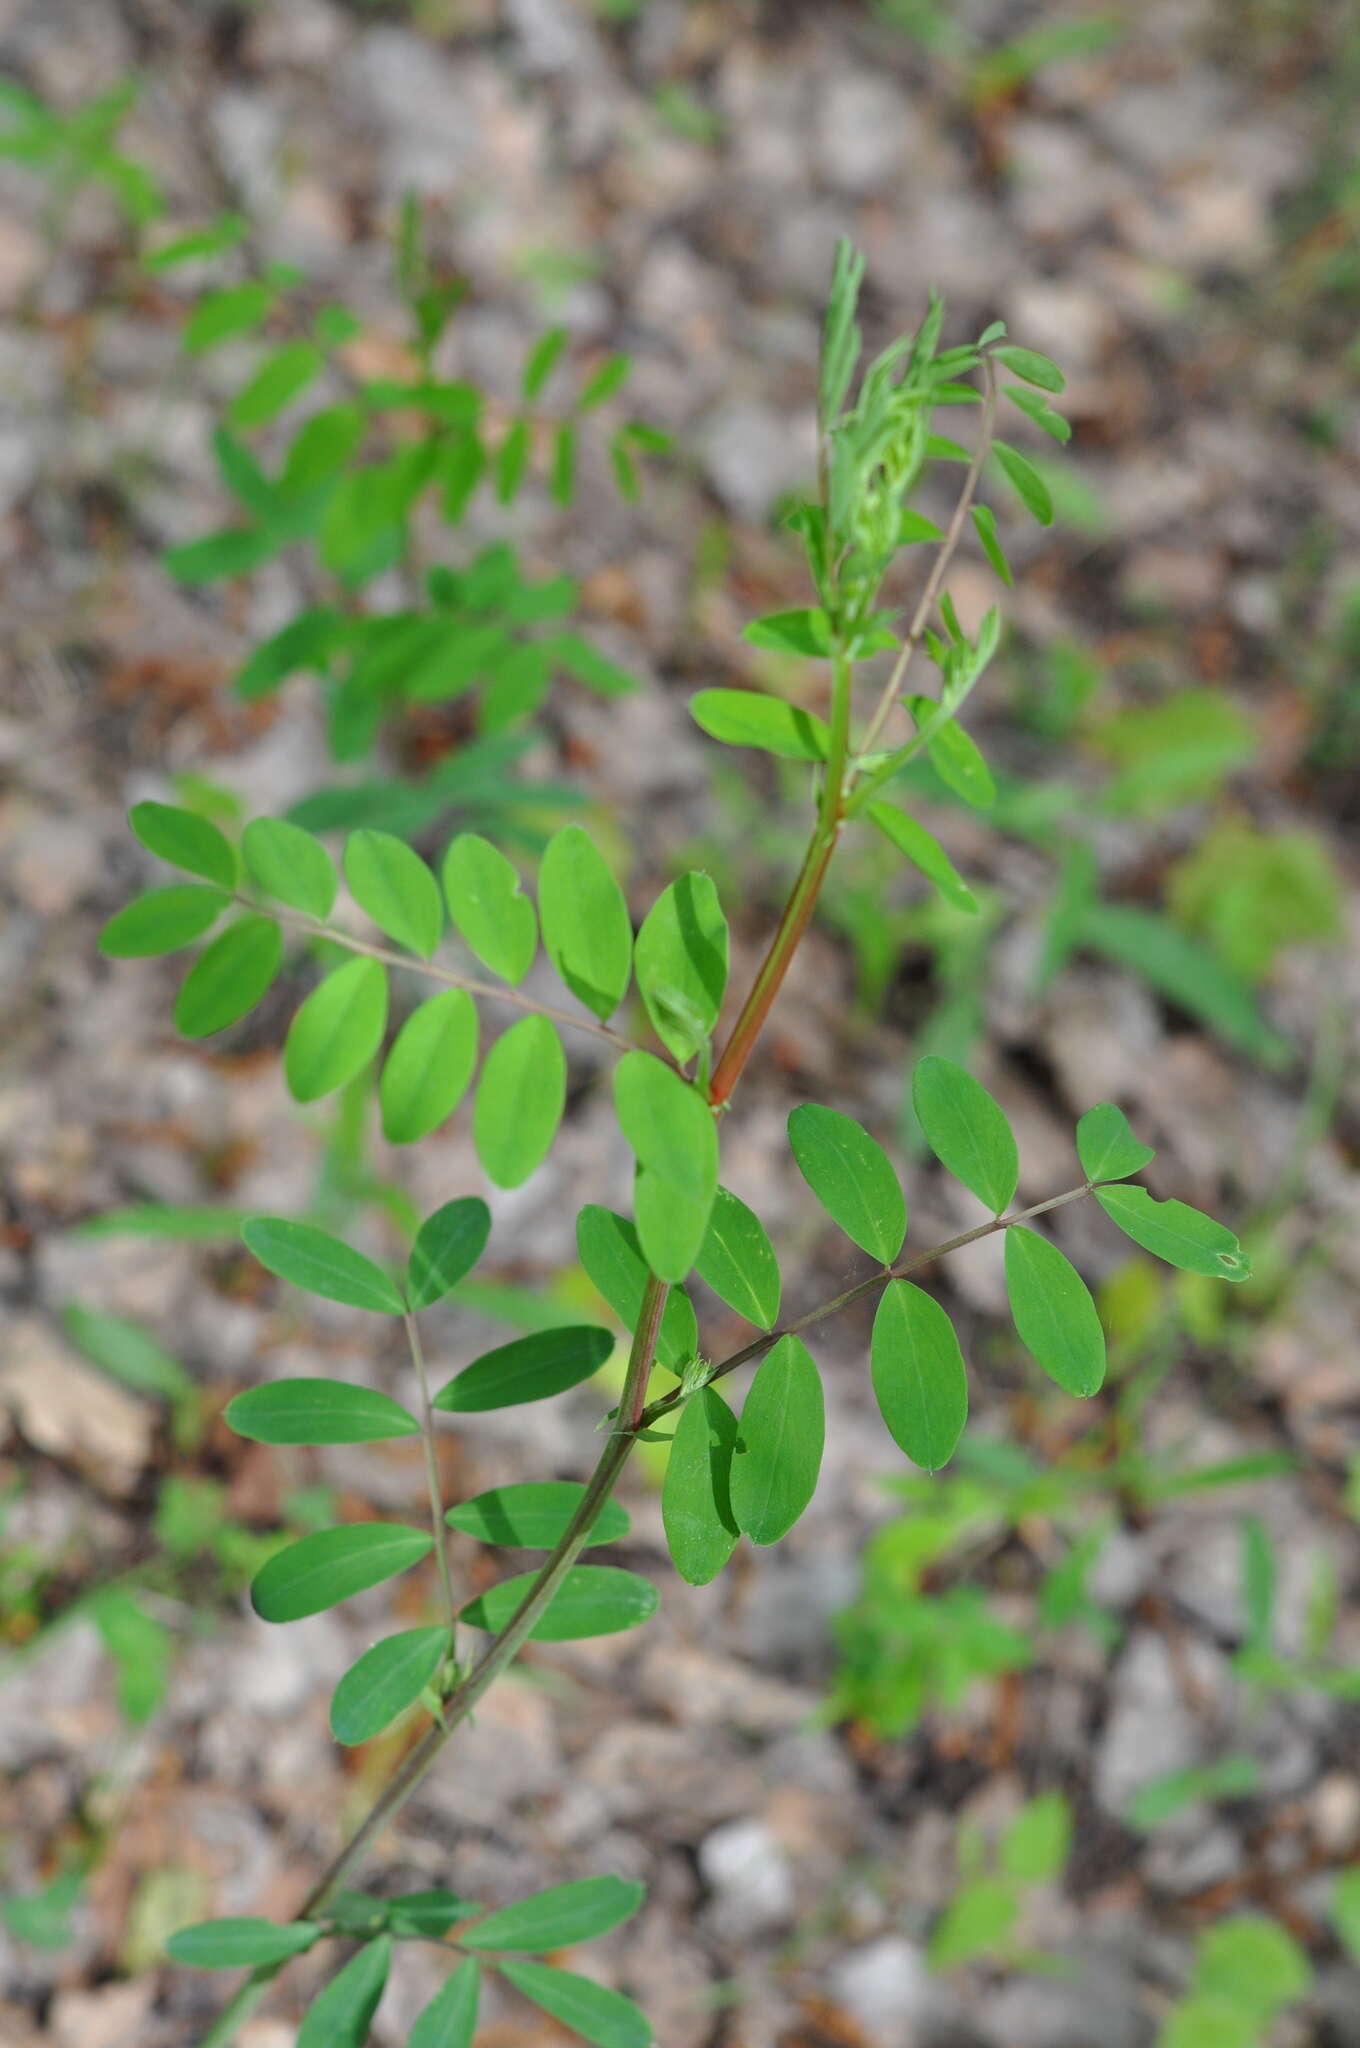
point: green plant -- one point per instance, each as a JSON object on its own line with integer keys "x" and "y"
{"x": 726, "y": 1476}
{"x": 1247, "y": 1970}
{"x": 980, "y": 1920}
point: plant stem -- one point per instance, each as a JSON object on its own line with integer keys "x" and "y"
{"x": 441, "y": 1534}
{"x": 940, "y": 566}
{"x": 475, "y": 987}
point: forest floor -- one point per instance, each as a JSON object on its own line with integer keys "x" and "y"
{"x": 1172, "y": 215}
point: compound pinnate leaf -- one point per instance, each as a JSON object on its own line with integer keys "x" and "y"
{"x": 340, "y": 2016}
{"x": 529, "y": 1369}
{"x": 520, "y": 1099}
{"x": 586, "y": 929}
{"x": 534, "y": 1515}
{"x": 450, "y": 2018}
{"x": 396, "y": 888}
{"x": 384, "y": 1682}
{"x": 603, "y": 2016}
{"x": 696, "y": 1495}
{"x": 229, "y": 977}
{"x": 320, "y": 1570}
{"x": 447, "y": 1247}
{"x": 1054, "y": 1314}
{"x": 610, "y": 1252}
{"x": 966, "y": 1130}
{"x": 161, "y": 921}
{"x": 737, "y": 1261}
{"x": 1175, "y": 1232}
{"x": 321, "y": 1264}
{"x": 672, "y": 1134}
{"x": 492, "y": 915}
{"x": 681, "y": 964}
{"x": 1107, "y": 1147}
{"x": 318, "y": 1412}
{"x": 336, "y": 1031}
{"x": 852, "y": 1177}
{"x": 780, "y": 1439}
{"x": 744, "y": 718}
{"x": 290, "y": 865}
{"x": 185, "y": 840}
{"x": 559, "y": 1917}
{"x": 925, "y": 852}
{"x": 240, "y": 1944}
{"x": 593, "y": 1600}
{"x": 919, "y": 1379}
{"x": 426, "y": 1074}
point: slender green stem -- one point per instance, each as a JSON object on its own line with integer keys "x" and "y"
{"x": 940, "y": 566}
{"x": 441, "y": 1534}
{"x": 497, "y": 991}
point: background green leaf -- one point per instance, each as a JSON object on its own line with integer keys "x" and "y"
{"x": 780, "y": 1438}
{"x": 919, "y": 1379}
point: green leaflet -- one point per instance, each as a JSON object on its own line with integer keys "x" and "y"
{"x": 610, "y": 1252}
{"x": 396, "y": 888}
{"x": 586, "y": 929}
{"x": 520, "y": 1099}
{"x": 671, "y": 1131}
{"x": 745, "y": 718}
{"x": 593, "y": 1600}
{"x": 559, "y": 1917}
{"x": 494, "y": 919}
{"x": 681, "y": 964}
{"x": 426, "y": 1074}
{"x": 450, "y": 2018}
{"x": 984, "y": 520}
{"x": 1026, "y": 482}
{"x": 282, "y": 376}
{"x": 1175, "y": 1232}
{"x": 384, "y": 1682}
{"x": 429, "y": 1914}
{"x": 954, "y": 756}
{"x": 186, "y": 840}
{"x": 924, "y": 852}
{"x": 1107, "y": 1147}
{"x": 918, "y": 1373}
{"x": 447, "y": 1247}
{"x": 605, "y": 2017}
{"x": 321, "y": 1264}
{"x": 778, "y": 1453}
{"x": 318, "y": 1412}
{"x": 1034, "y": 368}
{"x": 852, "y": 1177}
{"x": 304, "y": 643}
{"x": 321, "y": 1570}
{"x": 528, "y": 1369}
{"x": 229, "y": 977}
{"x": 161, "y": 921}
{"x": 696, "y": 1501}
{"x": 336, "y": 1030}
{"x": 534, "y": 1515}
{"x": 808, "y": 631}
{"x": 966, "y": 1130}
{"x": 737, "y": 1261}
{"x": 290, "y": 865}
{"x": 240, "y": 1944}
{"x": 340, "y": 2016}
{"x": 128, "y": 1353}
{"x": 1054, "y": 1314}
